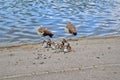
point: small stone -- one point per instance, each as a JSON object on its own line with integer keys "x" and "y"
{"x": 42, "y": 63}
{"x": 27, "y": 67}
{"x": 37, "y": 57}
{"x": 11, "y": 54}
{"x": 10, "y": 51}
{"x": 109, "y": 47}
{"x": 33, "y": 63}
{"x": 115, "y": 72}
{"x": 58, "y": 58}
{"x": 49, "y": 57}
{"x": 16, "y": 63}
{"x": 33, "y": 52}
{"x": 76, "y": 43}
{"x": 44, "y": 58}
{"x": 66, "y": 57}
{"x": 20, "y": 60}
{"x": 98, "y": 57}
{"x": 39, "y": 54}
{"x": 102, "y": 54}
{"x": 47, "y": 49}
{"x": 36, "y": 48}
{"x": 44, "y": 55}
{"x": 80, "y": 69}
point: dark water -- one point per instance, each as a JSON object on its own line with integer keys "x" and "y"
{"x": 93, "y": 18}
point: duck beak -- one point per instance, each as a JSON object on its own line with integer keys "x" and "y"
{"x": 75, "y": 33}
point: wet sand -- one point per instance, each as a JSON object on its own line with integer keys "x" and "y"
{"x": 90, "y": 59}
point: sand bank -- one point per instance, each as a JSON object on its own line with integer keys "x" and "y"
{"x": 91, "y": 59}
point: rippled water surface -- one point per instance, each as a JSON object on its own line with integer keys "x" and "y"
{"x": 20, "y": 18}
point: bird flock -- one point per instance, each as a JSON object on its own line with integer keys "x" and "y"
{"x": 63, "y": 45}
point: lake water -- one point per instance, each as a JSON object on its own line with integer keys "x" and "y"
{"x": 92, "y": 18}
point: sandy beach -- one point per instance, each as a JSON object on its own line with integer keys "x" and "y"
{"x": 90, "y": 59}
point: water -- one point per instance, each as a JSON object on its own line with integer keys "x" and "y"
{"x": 92, "y": 18}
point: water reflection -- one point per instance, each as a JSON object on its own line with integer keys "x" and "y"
{"x": 19, "y": 18}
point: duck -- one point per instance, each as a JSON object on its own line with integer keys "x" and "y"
{"x": 71, "y": 29}
{"x": 44, "y": 32}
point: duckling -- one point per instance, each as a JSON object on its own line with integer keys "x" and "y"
{"x": 46, "y": 43}
{"x": 63, "y": 45}
{"x": 64, "y": 41}
{"x": 70, "y": 28}
{"x": 49, "y": 43}
{"x": 53, "y": 45}
{"x": 67, "y": 48}
{"x": 44, "y": 32}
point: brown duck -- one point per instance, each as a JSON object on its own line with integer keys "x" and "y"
{"x": 70, "y": 28}
{"x": 44, "y": 32}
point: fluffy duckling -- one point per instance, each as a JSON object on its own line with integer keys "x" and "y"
{"x": 49, "y": 43}
{"x": 67, "y": 48}
{"x": 53, "y": 45}
{"x": 44, "y": 32}
{"x": 46, "y": 43}
{"x": 70, "y": 28}
{"x": 64, "y": 41}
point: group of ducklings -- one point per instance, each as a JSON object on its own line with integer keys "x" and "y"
{"x": 62, "y": 46}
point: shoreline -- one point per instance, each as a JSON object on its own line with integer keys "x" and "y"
{"x": 91, "y": 59}
{"x": 34, "y": 43}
